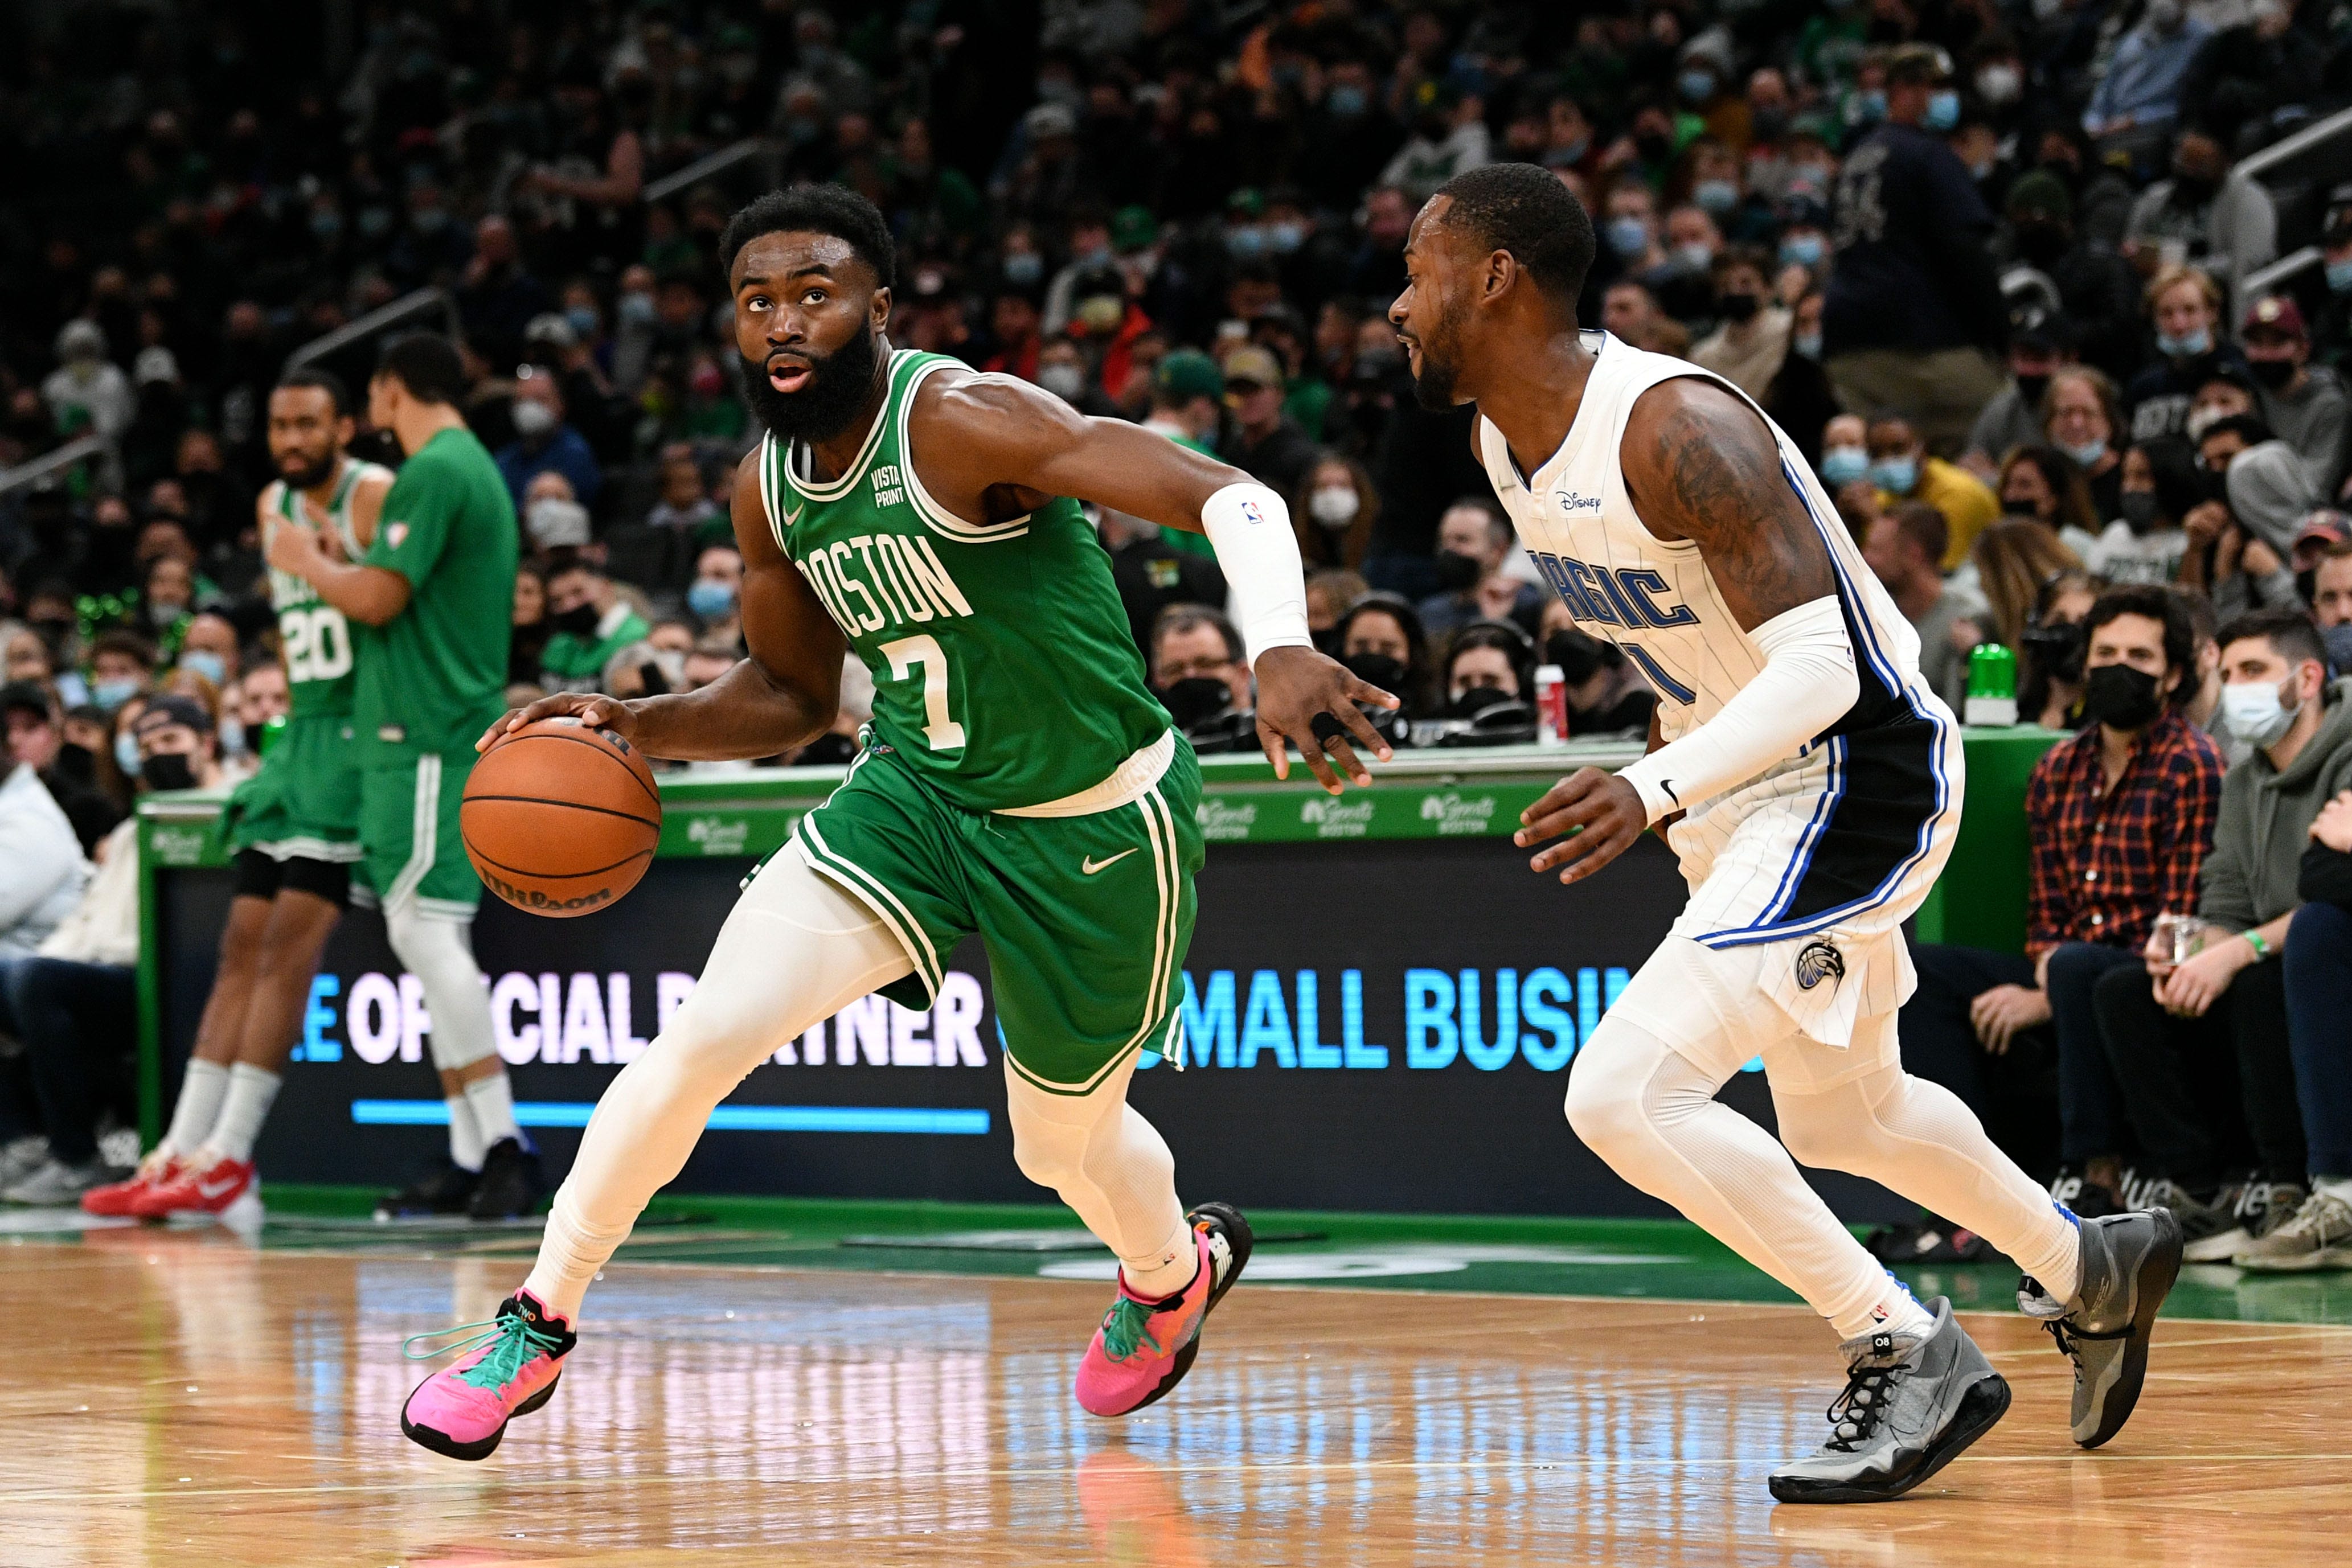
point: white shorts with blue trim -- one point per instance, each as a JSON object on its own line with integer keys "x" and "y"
{"x": 1818, "y": 863}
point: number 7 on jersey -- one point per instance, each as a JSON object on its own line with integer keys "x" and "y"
{"x": 924, "y": 652}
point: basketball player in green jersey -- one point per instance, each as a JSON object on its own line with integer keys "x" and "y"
{"x": 1018, "y": 782}
{"x": 432, "y": 601}
{"x": 292, "y": 831}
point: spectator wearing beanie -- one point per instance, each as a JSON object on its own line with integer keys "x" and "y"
{"x": 2098, "y": 293}
{"x": 1914, "y": 317}
{"x": 1264, "y": 443}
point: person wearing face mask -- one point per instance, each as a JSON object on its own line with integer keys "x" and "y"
{"x": 1749, "y": 349}
{"x": 208, "y": 646}
{"x": 2098, "y": 292}
{"x": 1334, "y": 511}
{"x": 2206, "y": 212}
{"x": 1382, "y": 643}
{"x": 75, "y": 1001}
{"x": 2305, "y": 403}
{"x": 2137, "y": 100}
{"x": 1202, "y": 677}
{"x": 1473, "y": 543}
{"x": 1902, "y": 469}
{"x": 2119, "y": 821}
{"x": 544, "y": 443}
{"x": 1606, "y": 693}
{"x": 592, "y": 622}
{"x": 121, "y": 665}
{"x": 716, "y": 594}
{"x": 2014, "y": 418}
{"x": 1913, "y": 316}
{"x": 2145, "y": 542}
{"x": 2229, "y": 999}
{"x": 2184, "y": 306}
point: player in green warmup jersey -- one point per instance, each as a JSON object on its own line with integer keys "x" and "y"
{"x": 432, "y": 601}
{"x": 292, "y": 831}
{"x": 1018, "y": 782}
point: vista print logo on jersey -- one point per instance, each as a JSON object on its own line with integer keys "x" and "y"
{"x": 889, "y": 488}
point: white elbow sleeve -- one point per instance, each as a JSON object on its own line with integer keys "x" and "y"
{"x": 1807, "y": 683}
{"x": 1249, "y": 528}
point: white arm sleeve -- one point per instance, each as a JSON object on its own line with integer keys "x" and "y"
{"x": 1807, "y": 683}
{"x": 1249, "y": 528}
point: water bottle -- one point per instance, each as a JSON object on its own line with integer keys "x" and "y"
{"x": 1551, "y": 705}
{"x": 1992, "y": 686}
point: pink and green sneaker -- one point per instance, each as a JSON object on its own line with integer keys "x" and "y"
{"x": 1144, "y": 1347}
{"x": 515, "y": 1359}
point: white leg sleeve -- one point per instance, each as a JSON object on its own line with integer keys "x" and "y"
{"x": 1651, "y": 1113}
{"x": 1112, "y": 1168}
{"x": 795, "y": 951}
{"x": 439, "y": 952}
{"x": 1919, "y": 1139}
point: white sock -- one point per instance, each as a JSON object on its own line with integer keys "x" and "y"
{"x": 2334, "y": 1187}
{"x": 201, "y": 1092}
{"x": 1170, "y": 1268}
{"x": 465, "y": 1146}
{"x": 1893, "y": 1311}
{"x": 492, "y": 1099}
{"x": 571, "y": 1253}
{"x": 251, "y": 1090}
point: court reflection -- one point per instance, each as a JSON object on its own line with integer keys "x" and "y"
{"x": 212, "y": 1405}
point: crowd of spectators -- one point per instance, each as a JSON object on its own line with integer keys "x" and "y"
{"x": 2002, "y": 269}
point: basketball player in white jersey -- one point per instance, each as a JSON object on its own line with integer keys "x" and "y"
{"x": 1809, "y": 782}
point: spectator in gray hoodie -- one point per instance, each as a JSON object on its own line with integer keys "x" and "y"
{"x": 2229, "y": 997}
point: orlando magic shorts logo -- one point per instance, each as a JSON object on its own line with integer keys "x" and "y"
{"x": 1819, "y": 960}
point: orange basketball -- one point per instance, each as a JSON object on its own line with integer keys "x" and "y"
{"x": 559, "y": 819}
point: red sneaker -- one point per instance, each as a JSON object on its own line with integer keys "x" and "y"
{"x": 120, "y": 1199}
{"x": 190, "y": 1190}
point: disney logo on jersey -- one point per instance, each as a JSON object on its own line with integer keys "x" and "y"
{"x": 1632, "y": 597}
{"x": 1572, "y": 503}
{"x": 889, "y": 488}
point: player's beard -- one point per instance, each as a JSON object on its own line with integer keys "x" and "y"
{"x": 838, "y": 387}
{"x": 1433, "y": 385}
{"x": 302, "y": 476}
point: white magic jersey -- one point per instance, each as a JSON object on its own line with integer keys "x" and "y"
{"x": 1831, "y": 849}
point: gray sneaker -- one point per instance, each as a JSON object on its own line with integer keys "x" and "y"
{"x": 2317, "y": 1236}
{"x": 2129, "y": 1261}
{"x": 60, "y": 1185}
{"x": 1911, "y": 1405}
{"x": 20, "y": 1157}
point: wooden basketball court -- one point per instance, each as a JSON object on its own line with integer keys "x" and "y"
{"x": 178, "y": 1398}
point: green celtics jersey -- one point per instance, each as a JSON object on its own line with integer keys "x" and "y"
{"x": 432, "y": 677}
{"x": 312, "y": 633}
{"x": 1003, "y": 673}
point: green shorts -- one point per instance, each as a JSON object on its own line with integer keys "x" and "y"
{"x": 304, "y": 804}
{"x": 1085, "y": 919}
{"x": 408, "y": 822}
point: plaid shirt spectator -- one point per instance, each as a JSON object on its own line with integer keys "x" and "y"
{"x": 2106, "y": 862}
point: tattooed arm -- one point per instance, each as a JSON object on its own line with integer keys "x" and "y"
{"x": 1700, "y": 465}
